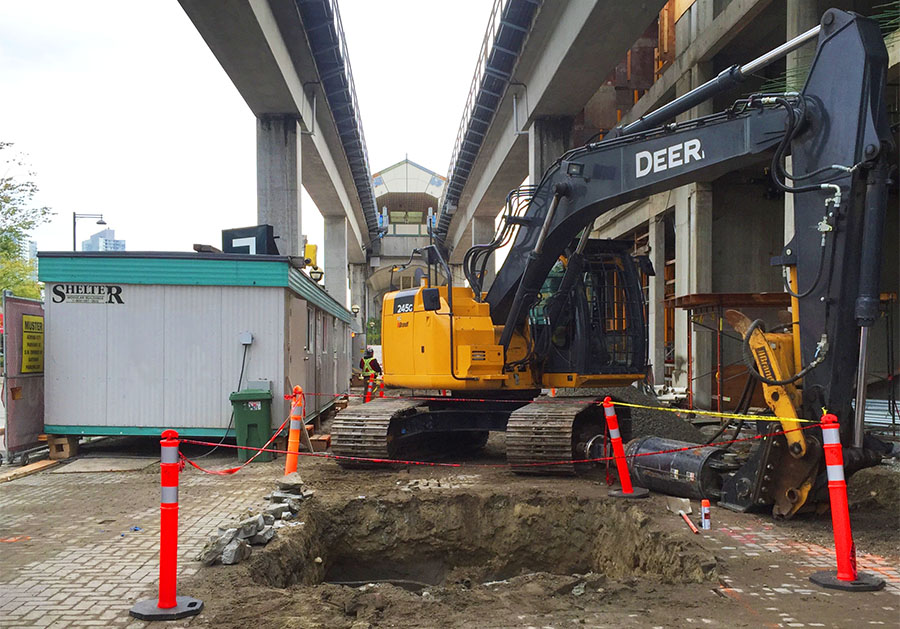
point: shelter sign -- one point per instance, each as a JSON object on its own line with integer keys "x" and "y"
{"x": 32, "y": 344}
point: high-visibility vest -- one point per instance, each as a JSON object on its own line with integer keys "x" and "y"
{"x": 367, "y": 366}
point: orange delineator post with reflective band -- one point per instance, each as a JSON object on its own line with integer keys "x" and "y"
{"x": 381, "y": 387}
{"x": 298, "y": 414}
{"x": 168, "y": 606}
{"x": 615, "y": 436}
{"x": 168, "y": 519}
{"x": 846, "y": 577}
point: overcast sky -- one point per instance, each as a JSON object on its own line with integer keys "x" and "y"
{"x": 123, "y": 110}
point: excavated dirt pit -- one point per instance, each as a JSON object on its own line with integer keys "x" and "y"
{"x": 469, "y": 539}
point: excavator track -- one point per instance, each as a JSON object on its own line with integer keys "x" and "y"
{"x": 542, "y": 433}
{"x": 364, "y": 431}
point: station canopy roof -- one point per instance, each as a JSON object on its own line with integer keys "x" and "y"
{"x": 407, "y": 190}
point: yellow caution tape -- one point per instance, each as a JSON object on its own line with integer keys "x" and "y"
{"x": 764, "y": 418}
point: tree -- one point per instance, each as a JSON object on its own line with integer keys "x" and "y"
{"x": 18, "y": 217}
{"x": 17, "y": 275}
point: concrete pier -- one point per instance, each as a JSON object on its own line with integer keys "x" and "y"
{"x": 336, "y": 258}
{"x": 278, "y": 179}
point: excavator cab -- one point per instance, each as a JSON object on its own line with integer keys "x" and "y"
{"x": 600, "y": 323}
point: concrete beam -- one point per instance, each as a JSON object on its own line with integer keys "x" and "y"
{"x": 278, "y": 167}
{"x": 548, "y": 138}
{"x": 336, "y": 262}
{"x": 262, "y": 47}
{"x": 563, "y": 64}
{"x": 401, "y": 247}
{"x": 626, "y": 218}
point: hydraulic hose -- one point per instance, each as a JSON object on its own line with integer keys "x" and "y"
{"x": 741, "y": 408}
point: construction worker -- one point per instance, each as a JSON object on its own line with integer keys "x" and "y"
{"x": 369, "y": 364}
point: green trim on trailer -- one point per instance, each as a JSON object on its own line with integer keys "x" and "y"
{"x": 140, "y": 431}
{"x": 196, "y": 272}
{"x": 181, "y": 269}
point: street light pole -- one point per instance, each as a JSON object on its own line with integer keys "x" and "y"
{"x": 75, "y": 217}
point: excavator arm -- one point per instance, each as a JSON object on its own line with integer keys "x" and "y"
{"x": 591, "y": 180}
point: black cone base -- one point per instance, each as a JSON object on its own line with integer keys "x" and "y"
{"x": 637, "y": 492}
{"x": 186, "y": 606}
{"x": 865, "y": 582}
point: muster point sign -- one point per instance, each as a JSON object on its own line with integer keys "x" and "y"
{"x": 32, "y": 344}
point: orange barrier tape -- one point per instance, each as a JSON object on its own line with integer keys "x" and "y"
{"x": 233, "y": 470}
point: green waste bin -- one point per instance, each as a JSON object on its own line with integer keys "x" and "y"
{"x": 252, "y": 421}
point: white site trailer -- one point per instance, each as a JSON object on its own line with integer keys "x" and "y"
{"x": 139, "y": 342}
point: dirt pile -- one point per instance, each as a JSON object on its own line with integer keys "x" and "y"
{"x": 647, "y": 422}
{"x": 875, "y": 488}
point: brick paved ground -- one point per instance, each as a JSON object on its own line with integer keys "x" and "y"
{"x": 783, "y": 595}
{"x": 83, "y": 566}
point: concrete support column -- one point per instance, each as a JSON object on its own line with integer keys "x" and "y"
{"x": 693, "y": 240}
{"x": 696, "y": 18}
{"x": 801, "y": 15}
{"x": 358, "y": 297}
{"x": 278, "y": 180}
{"x": 699, "y": 74}
{"x": 373, "y": 305}
{"x": 483, "y": 233}
{"x": 336, "y": 260}
{"x": 656, "y": 313}
{"x": 548, "y": 138}
{"x": 459, "y": 276}
{"x": 693, "y": 274}
{"x": 358, "y": 276}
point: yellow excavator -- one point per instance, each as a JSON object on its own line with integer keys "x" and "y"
{"x": 566, "y": 311}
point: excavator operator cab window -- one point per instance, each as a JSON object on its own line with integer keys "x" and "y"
{"x": 605, "y": 306}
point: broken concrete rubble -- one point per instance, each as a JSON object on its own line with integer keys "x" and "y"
{"x": 236, "y": 551}
{"x": 263, "y": 537}
{"x": 231, "y": 544}
{"x": 212, "y": 552}
{"x": 251, "y": 526}
{"x": 290, "y": 482}
{"x": 277, "y": 510}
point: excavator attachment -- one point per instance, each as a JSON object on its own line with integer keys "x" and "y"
{"x": 788, "y": 463}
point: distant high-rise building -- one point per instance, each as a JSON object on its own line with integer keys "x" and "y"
{"x": 103, "y": 241}
{"x": 31, "y": 256}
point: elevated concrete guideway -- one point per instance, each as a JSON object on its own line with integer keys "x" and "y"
{"x": 308, "y": 131}
{"x": 570, "y": 50}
